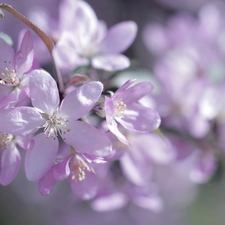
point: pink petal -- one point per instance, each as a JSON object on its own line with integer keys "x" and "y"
{"x": 198, "y": 126}
{"x": 6, "y": 56}
{"x": 87, "y": 139}
{"x": 66, "y": 59}
{"x": 10, "y": 97}
{"x": 85, "y": 20}
{"x": 140, "y": 119}
{"x": 43, "y": 91}
{"x": 80, "y": 101}
{"x": 4, "y": 91}
{"x": 110, "y": 202}
{"x": 152, "y": 202}
{"x": 66, "y": 9}
{"x": 124, "y": 87}
{"x": 24, "y": 141}
{"x": 109, "y": 108}
{"x": 111, "y": 123}
{"x": 47, "y": 182}
{"x": 114, "y": 129}
{"x": 204, "y": 168}
{"x": 119, "y": 37}
{"x": 155, "y": 38}
{"x": 135, "y": 170}
{"x": 10, "y": 164}
{"x": 134, "y": 93}
{"x": 87, "y": 188}
{"x": 20, "y": 121}
{"x": 62, "y": 170}
{"x": 93, "y": 159}
{"x": 25, "y": 55}
{"x": 110, "y": 62}
{"x": 158, "y": 149}
{"x": 40, "y": 158}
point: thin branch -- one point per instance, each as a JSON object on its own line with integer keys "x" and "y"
{"x": 46, "y": 39}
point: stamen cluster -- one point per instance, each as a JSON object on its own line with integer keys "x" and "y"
{"x": 120, "y": 108}
{"x": 55, "y": 125}
{"x": 4, "y": 140}
{"x": 78, "y": 168}
{"x": 9, "y": 77}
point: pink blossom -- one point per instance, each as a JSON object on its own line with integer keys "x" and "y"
{"x": 88, "y": 41}
{"x": 56, "y": 120}
{"x": 124, "y": 109}
{"x": 13, "y": 69}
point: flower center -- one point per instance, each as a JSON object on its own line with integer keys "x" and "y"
{"x": 8, "y": 76}
{"x": 4, "y": 140}
{"x": 55, "y": 124}
{"x": 120, "y": 108}
{"x": 79, "y": 168}
{"x": 87, "y": 48}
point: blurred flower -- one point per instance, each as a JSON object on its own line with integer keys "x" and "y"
{"x": 88, "y": 41}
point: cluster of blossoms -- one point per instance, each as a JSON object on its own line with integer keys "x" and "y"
{"x": 66, "y": 133}
{"x": 190, "y": 71}
{"x": 117, "y": 143}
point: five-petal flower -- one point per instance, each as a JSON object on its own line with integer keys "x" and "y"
{"x": 123, "y": 108}
{"x": 56, "y": 120}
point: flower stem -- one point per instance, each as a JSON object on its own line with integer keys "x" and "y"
{"x": 46, "y": 39}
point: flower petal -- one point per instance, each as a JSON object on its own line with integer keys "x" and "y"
{"x": 204, "y": 168}
{"x": 6, "y": 56}
{"x": 136, "y": 170}
{"x": 158, "y": 149}
{"x": 93, "y": 159}
{"x": 25, "y": 55}
{"x": 4, "y": 91}
{"x": 111, "y": 62}
{"x": 47, "y": 182}
{"x": 9, "y": 97}
{"x": 110, "y": 202}
{"x": 152, "y": 202}
{"x": 198, "y": 126}
{"x": 62, "y": 170}
{"x": 109, "y": 108}
{"x": 111, "y": 123}
{"x": 85, "y": 20}
{"x": 66, "y": 9}
{"x": 43, "y": 91}
{"x": 134, "y": 93}
{"x": 140, "y": 119}
{"x": 10, "y": 164}
{"x": 114, "y": 129}
{"x": 119, "y": 37}
{"x": 87, "y": 188}
{"x": 87, "y": 139}
{"x": 40, "y": 158}
{"x": 66, "y": 59}
{"x": 81, "y": 100}
{"x": 125, "y": 86}
{"x": 20, "y": 121}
